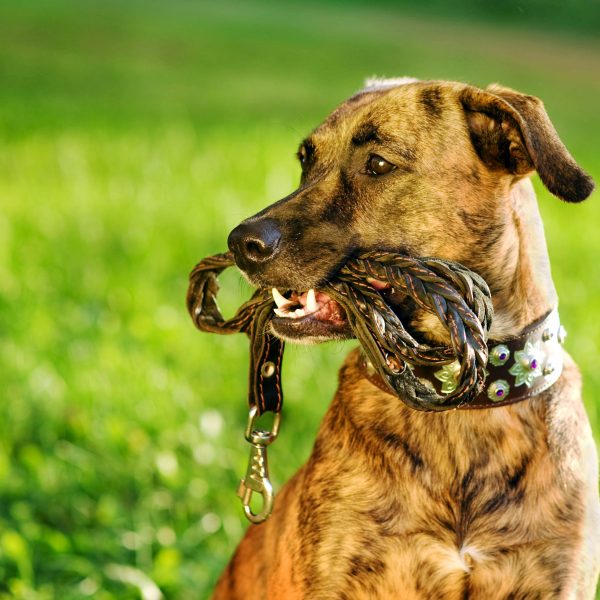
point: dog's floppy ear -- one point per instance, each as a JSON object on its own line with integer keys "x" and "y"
{"x": 512, "y": 131}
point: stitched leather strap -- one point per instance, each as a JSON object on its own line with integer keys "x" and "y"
{"x": 264, "y": 389}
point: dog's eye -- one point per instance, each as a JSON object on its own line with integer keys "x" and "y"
{"x": 302, "y": 155}
{"x": 306, "y": 154}
{"x": 376, "y": 165}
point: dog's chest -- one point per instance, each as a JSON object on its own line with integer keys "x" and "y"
{"x": 408, "y": 511}
{"x": 415, "y": 543}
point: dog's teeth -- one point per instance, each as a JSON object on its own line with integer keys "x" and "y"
{"x": 311, "y": 301}
{"x": 279, "y": 298}
{"x": 300, "y": 312}
{"x": 281, "y": 313}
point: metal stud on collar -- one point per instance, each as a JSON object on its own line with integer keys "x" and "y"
{"x": 448, "y": 375}
{"x": 527, "y": 365}
{"x": 499, "y": 355}
{"x": 498, "y": 390}
{"x": 562, "y": 335}
{"x": 549, "y": 368}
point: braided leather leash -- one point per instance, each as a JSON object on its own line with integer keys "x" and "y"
{"x": 458, "y": 297}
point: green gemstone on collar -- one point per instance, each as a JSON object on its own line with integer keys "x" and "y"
{"x": 498, "y": 390}
{"x": 528, "y": 365}
{"x": 499, "y": 355}
{"x": 448, "y": 375}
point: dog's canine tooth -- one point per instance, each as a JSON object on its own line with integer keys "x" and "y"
{"x": 280, "y": 300}
{"x": 311, "y": 301}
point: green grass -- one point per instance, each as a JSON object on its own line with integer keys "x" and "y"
{"x": 133, "y": 137}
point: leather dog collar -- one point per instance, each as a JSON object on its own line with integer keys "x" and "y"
{"x": 518, "y": 367}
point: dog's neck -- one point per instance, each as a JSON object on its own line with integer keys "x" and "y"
{"x": 520, "y": 278}
{"x": 516, "y": 267}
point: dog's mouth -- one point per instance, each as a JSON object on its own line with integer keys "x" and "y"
{"x": 312, "y": 316}
{"x": 308, "y": 315}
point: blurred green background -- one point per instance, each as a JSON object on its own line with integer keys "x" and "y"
{"x": 133, "y": 137}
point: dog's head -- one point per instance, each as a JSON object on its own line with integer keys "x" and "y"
{"x": 421, "y": 168}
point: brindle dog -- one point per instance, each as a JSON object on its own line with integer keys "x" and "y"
{"x": 396, "y": 503}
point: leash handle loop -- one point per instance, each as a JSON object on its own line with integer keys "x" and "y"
{"x": 458, "y": 297}
{"x": 266, "y": 351}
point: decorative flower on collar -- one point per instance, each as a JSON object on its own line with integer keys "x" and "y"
{"x": 448, "y": 375}
{"x": 528, "y": 364}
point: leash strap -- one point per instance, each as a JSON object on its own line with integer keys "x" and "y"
{"x": 265, "y": 391}
{"x": 266, "y": 356}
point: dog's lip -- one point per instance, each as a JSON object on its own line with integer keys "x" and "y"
{"x": 310, "y": 329}
{"x": 308, "y": 316}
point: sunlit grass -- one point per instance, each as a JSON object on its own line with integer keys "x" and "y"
{"x": 131, "y": 142}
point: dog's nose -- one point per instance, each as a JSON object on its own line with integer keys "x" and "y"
{"x": 254, "y": 243}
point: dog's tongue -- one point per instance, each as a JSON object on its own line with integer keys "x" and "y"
{"x": 379, "y": 285}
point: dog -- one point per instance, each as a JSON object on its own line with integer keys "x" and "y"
{"x": 500, "y": 503}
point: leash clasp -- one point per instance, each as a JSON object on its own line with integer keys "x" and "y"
{"x": 256, "y": 479}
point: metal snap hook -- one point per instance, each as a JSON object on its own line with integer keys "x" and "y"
{"x": 256, "y": 480}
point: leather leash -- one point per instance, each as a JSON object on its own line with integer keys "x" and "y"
{"x": 252, "y": 318}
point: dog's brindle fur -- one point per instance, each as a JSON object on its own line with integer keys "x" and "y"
{"x": 396, "y": 503}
